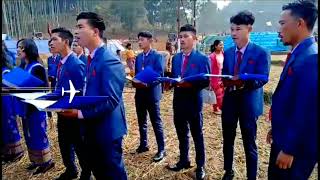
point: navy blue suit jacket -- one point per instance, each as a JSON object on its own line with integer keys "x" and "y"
{"x": 84, "y": 59}
{"x": 255, "y": 60}
{"x": 190, "y": 99}
{"x": 53, "y": 66}
{"x": 73, "y": 69}
{"x": 155, "y": 60}
{"x": 295, "y": 103}
{"x": 106, "y": 77}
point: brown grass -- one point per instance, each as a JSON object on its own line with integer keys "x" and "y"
{"x": 141, "y": 166}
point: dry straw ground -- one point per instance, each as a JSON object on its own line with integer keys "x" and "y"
{"x": 141, "y": 166}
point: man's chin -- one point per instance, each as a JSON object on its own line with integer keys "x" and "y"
{"x": 286, "y": 43}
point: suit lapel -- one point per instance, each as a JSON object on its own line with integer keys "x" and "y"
{"x": 147, "y": 59}
{"x": 94, "y": 61}
{"x": 305, "y": 44}
{"x": 179, "y": 64}
{"x": 232, "y": 60}
{"x": 245, "y": 57}
{"x": 190, "y": 60}
{"x": 286, "y": 67}
{"x": 63, "y": 67}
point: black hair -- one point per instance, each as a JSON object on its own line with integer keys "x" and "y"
{"x": 215, "y": 43}
{"x": 94, "y": 20}
{"x": 118, "y": 51}
{"x": 5, "y": 62}
{"x": 30, "y": 48}
{"x": 243, "y": 18}
{"x": 304, "y": 9}
{"x": 145, "y": 34}
{"x": 188, "y": 27}
{"x": 128, "y": 45}
{"x": 64, "y": 33}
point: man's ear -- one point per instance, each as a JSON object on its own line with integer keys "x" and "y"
{"x": 249, "y": 28}
{"x": 301, "y": 22}
{"x": 96, "y": 31}
{"x": 194, "y": 36}
{"x": 67, "y": 42}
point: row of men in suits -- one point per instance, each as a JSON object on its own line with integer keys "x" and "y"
{"x": 294, "y": 147}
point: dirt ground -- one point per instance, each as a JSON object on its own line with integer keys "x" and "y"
{"x": 141, "y": 166}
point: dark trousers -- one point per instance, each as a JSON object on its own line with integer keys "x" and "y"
{"x": 153, "y": 108}
{"x": 182, "y": 121}
{"x": 106, "y": 159}
{"x": 71, "y": 141}
{"x": 301, "y": 167}
{"x": 248, "y": 127}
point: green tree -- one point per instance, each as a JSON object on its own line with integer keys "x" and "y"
{"x": 129, "y": 12}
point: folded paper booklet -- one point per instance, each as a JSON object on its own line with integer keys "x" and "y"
{"x": 129, "y": 78}
{"x": 191, "y": 78}
{"x": 246, "y": 76}
{"x": 147, "y": 76}
{"x": 56, "y": 102}
{"x": 18, "y": 77}
{"x": 201, "y": 76}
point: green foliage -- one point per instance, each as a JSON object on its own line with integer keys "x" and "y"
{"x": 129, "y": 12}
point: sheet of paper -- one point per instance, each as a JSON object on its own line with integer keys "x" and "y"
{"x": 40, "y": 104}
{"x": 218, "y": 76}
{"x": 29, "y": 96}
{"x": 129, "y": 78}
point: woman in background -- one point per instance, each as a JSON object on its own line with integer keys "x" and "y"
{"x": 130, "y": 58}
{"x": 11, "y": 145}
{"x": 34, "y": 121}
{"x": 216, "y": 58}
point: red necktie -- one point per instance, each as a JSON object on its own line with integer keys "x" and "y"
{"x": 89, "y": 62}
{"x": 237, "y": 66}
{"x": 184, "y": 65}
{"x": 59, "y": 69}
{"x": 288, "y": 57}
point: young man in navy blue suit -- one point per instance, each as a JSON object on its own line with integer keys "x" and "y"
{"x": 76, "y": 48}
{"x": 70, "y": 131}
{"x": 147, "y": 97}
{"x": 105, "y": 122}
{"x": 243, "y": 100}
{"x": 294, "y": 117}
{"x": 187, "y": 99}
{"x": 52, "y": 63}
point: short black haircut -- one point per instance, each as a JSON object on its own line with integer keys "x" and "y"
{"x": 243, "y": 18}
{"x": 30, "y": 48}
{"x": 94, "y": 20}
{"x": 145, "y": 34}
{"x": 64, "y": 33}
{"x": 304, "y": 9}
{"x": 128, "y": 45}
{"x": 188, "y": 27}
